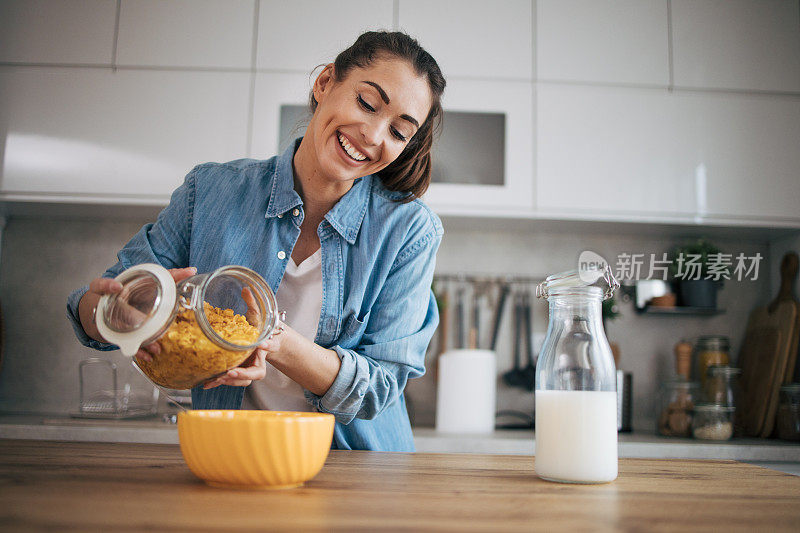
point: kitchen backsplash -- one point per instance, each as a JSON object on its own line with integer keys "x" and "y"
{"x": 43, "y": 259}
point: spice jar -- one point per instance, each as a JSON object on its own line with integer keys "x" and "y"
{"x": 712, "y": 421}
{"x": 711, "y": 350}
{"x": 788, "y": 417}
{"x": 678, "y": 398}
{"x": 722, "y": 385}
{"x": 204, "y": 325}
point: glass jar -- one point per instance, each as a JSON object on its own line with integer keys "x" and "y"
{"x": 712, "y": 421}
{"x": 576, "y": 412}
{"x": 722, "y": 385}
{"x": 204, "y": 325}
{"x": 678, "y": 398}
{"x": 711, "y": 350}
{"x": 788, "y": 417}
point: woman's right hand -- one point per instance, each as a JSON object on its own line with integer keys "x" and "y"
{"x": 99, "y": 287}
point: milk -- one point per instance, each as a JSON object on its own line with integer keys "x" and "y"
{"x": 576, "y": 436}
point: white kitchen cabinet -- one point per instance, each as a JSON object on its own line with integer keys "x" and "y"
{"x": 747, "y": 147}
{"x": 186, "y": 33}
{"x": 131, "y": 136}
{"x": 474, "y": 38}
{"x": 661, "y": 156}
{"x": 606, "y": 150}
{"x": 737, "y": 44}
{"x": 302, "y": 34}
{"x": 510, "y": 189}
{"x": 605, "y": 41}
{"x": 57, "y": 31}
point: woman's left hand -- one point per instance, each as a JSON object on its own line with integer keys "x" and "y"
{"x": 253, "y": 368}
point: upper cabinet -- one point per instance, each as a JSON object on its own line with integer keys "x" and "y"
{"x": 55, "y": 31}
{"x": 737, "y": 44}
{"x": 474, "y": 38}
{"x": 603, "y": 151}
{"x": 605, "y": 41}
{"x": 301, "y": 35}
{"x": 186, "y": 33}
{"x": 88, "y": 134}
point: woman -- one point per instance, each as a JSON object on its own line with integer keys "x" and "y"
{"x": 335, "y": 227}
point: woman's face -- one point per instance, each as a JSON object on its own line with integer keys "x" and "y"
{"x": 364, "y": 122}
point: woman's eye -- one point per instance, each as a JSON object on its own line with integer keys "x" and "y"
{"x": 397, "y": 134}
{"x": 365, "y": 105}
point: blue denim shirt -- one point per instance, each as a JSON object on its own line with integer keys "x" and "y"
{"x": 378, "y": 256}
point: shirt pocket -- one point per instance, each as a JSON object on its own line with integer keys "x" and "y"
{"x": 353, "y": 330}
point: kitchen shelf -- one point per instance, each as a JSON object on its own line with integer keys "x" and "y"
{"x": 679, "y": 311}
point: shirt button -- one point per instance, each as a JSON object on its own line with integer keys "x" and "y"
{"x": 280, "y": 216}
{"x": 281, "y": 255}
{"x": 296, "y": 212}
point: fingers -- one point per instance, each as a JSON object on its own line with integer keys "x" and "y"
{"x": 253, "y": 314}
{"x": 146, "y": 353}
{"x": 105, "y": 286}
{"x": 179, "y": 274}
{"x": 242, "y": 376}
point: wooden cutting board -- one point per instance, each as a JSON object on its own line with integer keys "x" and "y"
{"x": 768, "y": 352}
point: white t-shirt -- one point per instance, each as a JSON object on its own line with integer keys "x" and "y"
{"x": 300, "y": 295}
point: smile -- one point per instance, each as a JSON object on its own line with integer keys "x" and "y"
{"x": 349, "y": 150}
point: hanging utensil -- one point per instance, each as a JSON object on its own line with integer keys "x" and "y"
{"x": 529, "y": 371}
{"x": 475, "y": 322}
{"x": 460, "y": 337}
{"x": 498, "y": 316}
{"x": 515, "y": 377}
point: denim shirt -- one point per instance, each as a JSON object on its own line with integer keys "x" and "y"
{"x": 378, "y": 255}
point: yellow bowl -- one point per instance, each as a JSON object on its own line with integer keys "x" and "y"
{"x": 255, "y": 449}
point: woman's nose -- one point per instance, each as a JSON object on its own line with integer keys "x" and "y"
{"x": 371, "y": 132}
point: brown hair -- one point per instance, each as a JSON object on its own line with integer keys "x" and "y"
{"x": 411, "y": 172}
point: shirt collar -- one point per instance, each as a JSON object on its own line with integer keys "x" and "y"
{"x": 345, "y": 217}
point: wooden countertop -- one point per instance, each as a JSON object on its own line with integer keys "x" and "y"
{"x": 86, "y": 486}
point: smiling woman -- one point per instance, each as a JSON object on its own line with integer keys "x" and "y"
{"x": 336, "y": 228}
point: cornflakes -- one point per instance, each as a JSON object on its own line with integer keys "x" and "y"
{"x": 188, "y": 357}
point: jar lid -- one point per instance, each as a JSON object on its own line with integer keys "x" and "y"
{"x": 713, "y": 343}
{"x": 140, "y": 311}
{"x": 682, "y": 384}
{"x": 590, "y": 281}
{"x": 714, "y": 408}
{"x": 723, "y": 370}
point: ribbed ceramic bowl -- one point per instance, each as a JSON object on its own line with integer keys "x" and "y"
{"x": 255, "y": 449}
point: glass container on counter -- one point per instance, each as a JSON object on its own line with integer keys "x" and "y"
{"x": 204, "y": 325}
{"x": 576, "y": 414}
{"x": 788, "y": 417}
{"x": 711, "y": 350}
{"x": 678, "y": 398}
{"x": 712, "y": 421}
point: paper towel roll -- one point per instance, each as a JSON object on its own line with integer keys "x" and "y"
{"x": 466, "y": 391}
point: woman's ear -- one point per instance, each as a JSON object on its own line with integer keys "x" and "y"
{"x": 323, "y": 83}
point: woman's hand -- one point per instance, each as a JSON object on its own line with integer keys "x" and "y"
{"x": 254, "y": 368}
{"x": 102, "y": 286}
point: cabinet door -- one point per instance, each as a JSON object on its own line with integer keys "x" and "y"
{"x": 744, "y": 149}
{"x": 56, "y": 31}
{"x": 302, "y": 34}
{"x": 473, "y": 38}
{"x": 737, "y": 44}
{"x": 607, "y": 41}
{"x": 186, "y": 33}
{"x": 602, "y": 151}
{"x": 464, "y": 188}
{"x": 130, "y": 136}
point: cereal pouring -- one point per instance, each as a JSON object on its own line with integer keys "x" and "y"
{"x": 203, "y": 326}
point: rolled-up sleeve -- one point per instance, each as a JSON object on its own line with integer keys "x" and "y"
{"x": 165, "y": 242}
{"x": 399, "y": 328}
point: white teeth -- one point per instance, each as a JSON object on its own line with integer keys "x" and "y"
{"x": 352, "y": 152}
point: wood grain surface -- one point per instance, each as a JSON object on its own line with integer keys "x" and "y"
{"x": 137, "y": 487}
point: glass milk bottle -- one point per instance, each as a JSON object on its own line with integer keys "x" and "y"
{"x": 576, "y": 403}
